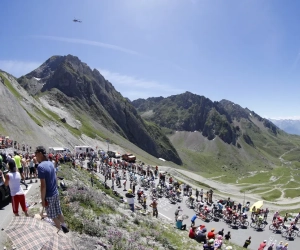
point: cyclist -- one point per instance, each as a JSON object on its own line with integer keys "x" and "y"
{"x": 278, "y": 221}
{"x": 260, "y": 220}
{"x": 220, "y": 206}
{"x": 275, "y": 216}
{"x": 292, "y": 228}
{"x": 205, "y": 210}
{"x": 192, "y": 198}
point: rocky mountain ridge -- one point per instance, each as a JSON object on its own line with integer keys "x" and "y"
{"x": 191, "y": 112}
{"x": 72, "y": 84}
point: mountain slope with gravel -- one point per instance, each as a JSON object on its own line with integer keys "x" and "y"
{"x": 69, "y": 84}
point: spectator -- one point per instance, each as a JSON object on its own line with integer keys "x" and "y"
{"x": 239, "y": 208}
{"x": 13, "y": 179}
{"x": 211, "y": 234}
{"x": 279, "y": 246}
{"x": 201, "y": 235}
{"x": 201, "y": 194}
{"x": 197, "y": 194}
{"x": 17, "y": 160}
{"x": 192, "y": 233}
{"x": 221, "y": 232}
{"x": 49, "y": 192}
{"x": 177, "y": 212}
{"x": 154, "y": 207}
{"x": 247, "y": 242}
{"x": 193, "y": 220}
{"x": 218, "y": 242}
{"x": 285, "y": 246}
{"x": 271, "y": 247}
{"x": 209, "y": 245}
{"x": 130, "y": 199}
{"x": 262, "y": 245}
{"x": 227, "y": 236}
{"x": 179, "y": 223}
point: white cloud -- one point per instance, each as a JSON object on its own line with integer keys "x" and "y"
{"x": 134, "y": 87}
{"x": 18, "y": 68}
{"x": 89, "y": 42}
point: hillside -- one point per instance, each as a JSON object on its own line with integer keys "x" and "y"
{"x": 69, "y": 84}
{"x": 217, "y": 138}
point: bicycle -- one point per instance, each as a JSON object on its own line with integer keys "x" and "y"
{"x": 190, "y": 203}
{"x": 257, "y": 224}
{"x": 288, "y": 234}
{"x": 276, "y": 227}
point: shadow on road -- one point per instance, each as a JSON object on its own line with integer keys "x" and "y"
{"x": 4, "y": 204}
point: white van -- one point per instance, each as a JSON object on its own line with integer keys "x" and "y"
{"x": 56, "y": 150}
{"x": 83, "y": 149}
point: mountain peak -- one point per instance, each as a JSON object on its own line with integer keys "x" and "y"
{"x": 69, "y": 79}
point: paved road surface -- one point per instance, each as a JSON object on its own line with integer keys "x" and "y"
{"x": 6, "y": 213}
{"x": 167, "y": 210}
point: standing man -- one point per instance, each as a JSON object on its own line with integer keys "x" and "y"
{"x": 154, "y": 207}
{"x": 130, "y": 199}
{"x": 17, "y": 160}
{"x": 49, "y": 192}
{"x": 197, "y": 194}
{"x": 211, "y": 196}
{"x": 201, "y": 194}
{"x": 247, "y": 242}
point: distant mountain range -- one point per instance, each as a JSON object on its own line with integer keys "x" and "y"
{"x": 288, "y": 125}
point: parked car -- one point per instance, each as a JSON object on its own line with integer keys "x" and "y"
{"x": 128, "y": 157}
{"x": 4, "y": 190}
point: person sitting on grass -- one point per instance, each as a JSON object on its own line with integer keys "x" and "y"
{"x": 201, "y": 236}
{"x": 179, "y": 223}
{"x": 209, "y": 245}
{"x": 192, "y": 233}
{"x": 211, "y": 234}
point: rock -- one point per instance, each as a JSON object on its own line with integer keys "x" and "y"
{"x": 63, "y": 120}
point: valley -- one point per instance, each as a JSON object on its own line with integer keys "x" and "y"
{"x": 217, "y": 144}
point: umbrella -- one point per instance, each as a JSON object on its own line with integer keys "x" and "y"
{"x": 29, "y": 233}
{"x": 257, "y": 204}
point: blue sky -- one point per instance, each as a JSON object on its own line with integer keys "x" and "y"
{"x": 245, "y": 51}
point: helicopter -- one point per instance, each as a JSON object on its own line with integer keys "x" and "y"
{"x": 75, "y": 20}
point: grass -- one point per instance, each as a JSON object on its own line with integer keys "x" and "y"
{"x": 293, "y": 155}
{"x": 272, "y": 195}
{"x": 93, "y": 219}
{"x": 291, "y": 193}
{"x": 11, "y": 88}
{"x": 258, "y": 178}
{"x": 75, "y": 131}
{"x": 33, "y": 118}
{"x": 2, "y": 129}
{"x": 199, "y": 183}
{"x": 291, "y": 184}
{"x": 260, "y": 190}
